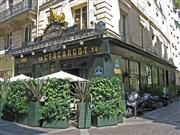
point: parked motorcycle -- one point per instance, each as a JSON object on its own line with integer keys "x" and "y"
{"x": 135, "y": 105}
{"x": 150, "y": 101}
{"x": 165, "y": 96}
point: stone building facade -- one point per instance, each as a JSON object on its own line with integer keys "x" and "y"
{"x": 135, "y": 40}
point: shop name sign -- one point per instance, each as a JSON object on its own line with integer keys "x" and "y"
{"x": 68, "y": 53}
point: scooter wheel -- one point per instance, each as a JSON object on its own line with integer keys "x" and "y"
{"x": 128, "y": 112}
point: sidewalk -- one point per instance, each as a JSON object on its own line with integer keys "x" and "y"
{"x": 163, "y": 121}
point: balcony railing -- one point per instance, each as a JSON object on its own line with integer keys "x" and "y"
{"x": 18, "y": 8}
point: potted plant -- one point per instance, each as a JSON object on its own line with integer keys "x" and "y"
{"x": 17, "y": 98}
{"x": 55, "y": 111}
{"x": 34, "y": 87}
{"x": 106, "y": 103}
{"x": 83, "y": 94}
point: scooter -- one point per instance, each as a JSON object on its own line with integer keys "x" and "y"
{"x": 150, "y": 101}
{"x": 135, "y": 105}
{"x": 165, "y": 96}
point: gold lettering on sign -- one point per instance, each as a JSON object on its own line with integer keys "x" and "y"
{"x": 68, "y": 53}
{"x": 45, "y": 57}
{"x": 40, "y": 58}
{"x": 50, "y": 56}
{"x": 74, "y": 52}
{"x": 54, "y": 55}
{"x": 79, "y": 51}
{"x": 59, "y": 55}
{"x": 64, "y": 54}
{"x": 85, "y": 50}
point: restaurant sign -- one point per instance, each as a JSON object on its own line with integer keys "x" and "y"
{"x": 68, "y": 53}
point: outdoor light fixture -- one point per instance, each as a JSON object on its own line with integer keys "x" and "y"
{"x": 81, "y": 42}
{"x": 33, "y": 53}
{"x": 21, "y": 55}
{"x": 44, "y": 50}
{"x": 64, "y": 46}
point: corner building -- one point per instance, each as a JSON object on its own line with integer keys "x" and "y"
{"x": 125, "y": 38}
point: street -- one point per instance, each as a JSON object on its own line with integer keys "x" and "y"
{"x": 163, "y": 121}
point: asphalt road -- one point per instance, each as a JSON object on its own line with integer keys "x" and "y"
{"x": 163, "y": 121}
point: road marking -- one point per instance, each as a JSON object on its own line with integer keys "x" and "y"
{"x": 84, "y": 132}
{"x": 5, "y": 133}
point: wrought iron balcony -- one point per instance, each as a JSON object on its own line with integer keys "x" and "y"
{"x": 18, "y": 8}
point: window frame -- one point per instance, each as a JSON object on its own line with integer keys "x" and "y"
{"x": 81, "y": 15}
{"x": 29, "y": 31}
{"x": 9, "y": 39}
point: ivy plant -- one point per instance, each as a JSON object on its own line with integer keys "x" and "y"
{"x": 106, "y": 93}
{"x": 17, "y": 99}
{"x": 57, "y": 100}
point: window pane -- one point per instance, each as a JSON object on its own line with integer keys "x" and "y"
{"x": 84, "y": 21}
{"x": 77, "y": 11}
{"x": 84, "y": 9}
{"x": 78, "y": 20}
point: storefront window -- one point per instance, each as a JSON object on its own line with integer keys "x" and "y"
{"x": 155, "y": 76}
{"x": 24, "y": 68}
{"x": 161, "y": 76}
{"x": 149, "y": 75}
{"x": 134, "y": 76}
{"x": 43, "y": 69}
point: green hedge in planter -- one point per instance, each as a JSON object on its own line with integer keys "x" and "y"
{"x": 106, "y": 94}
{"x": 57, "y": 101}
{"x": 56, "y": 124}
{"x": 17, "y": 99}
{"x": 104, "y": 121}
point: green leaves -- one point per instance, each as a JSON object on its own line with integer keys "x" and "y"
{"x": 106, "y": 93}
{"x": 57, "y": 100}
{"x": 35, "y": 88}
{"x": 4, "y": 89}
{"x": 17, "y": 99}
{"x": 82, "y": 91}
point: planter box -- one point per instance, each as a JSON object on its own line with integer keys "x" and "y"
{"x": 34, "y": 114}
{"x": 120, "y": 118}
{"x": 84, "y": 115}
{"x": 1, "y": 107}
{"x": 24, "y": 120}
{"x": 106, "y": 121}
{"x": 56, "y": 124}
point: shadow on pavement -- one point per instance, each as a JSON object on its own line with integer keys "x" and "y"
{"x": 167, "y": 115}
{"x": 7, "y": 127}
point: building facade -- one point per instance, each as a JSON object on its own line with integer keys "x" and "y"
{"x": 135, "y": 40}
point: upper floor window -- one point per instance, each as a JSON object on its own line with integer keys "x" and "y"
{"x": 141, "y": 34}
{"x": 80, "y": 16}
{"x": 27, "y": 34}
{"x": 9, "y": 39}
{"x": 123, "y": 26}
